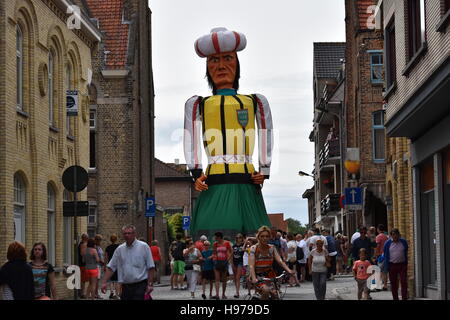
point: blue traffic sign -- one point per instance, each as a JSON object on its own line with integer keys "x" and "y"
{"x": 186, "y": 222}
{"x": 150, "y": 207}
{"x": 353, "y": 198}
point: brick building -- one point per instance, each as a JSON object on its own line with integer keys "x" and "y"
{"x": 174, "y": 187}
{"x": 328, "y": 89}
{"x": 121, "y": 118}
{"x": 41, "y": 58}
{"x": 417, "y": 52}
{"x": 175, "y": 193}
{"x": 363, "y": 115}
{"x": 278, "y": 222}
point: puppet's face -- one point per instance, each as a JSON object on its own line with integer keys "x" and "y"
{"x": 222, "y": 69}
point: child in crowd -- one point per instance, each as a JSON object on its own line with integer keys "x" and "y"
{"x": 360, "y": 273}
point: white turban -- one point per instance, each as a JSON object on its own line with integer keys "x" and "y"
{"x": 218, "y": 41}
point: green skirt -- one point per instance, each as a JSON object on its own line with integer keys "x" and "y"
{"x": 230, "y": 209}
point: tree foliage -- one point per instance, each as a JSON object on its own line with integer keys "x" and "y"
{"x": 296, "y": 226}
{"x": 174, "y": 225}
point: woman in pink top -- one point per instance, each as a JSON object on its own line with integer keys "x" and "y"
{"x": 380, "y": 240}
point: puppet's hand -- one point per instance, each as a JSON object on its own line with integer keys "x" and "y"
{"x": 257, "y": 178}
{"x": 200, "y": 185}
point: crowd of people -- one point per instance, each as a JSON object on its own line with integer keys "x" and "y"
{"x": 315, "y": 256}
{"x": 130, "y": 269}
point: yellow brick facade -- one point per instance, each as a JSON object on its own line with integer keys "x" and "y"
{"x": 399, "y": 188}
{"x": 30, "y": 147}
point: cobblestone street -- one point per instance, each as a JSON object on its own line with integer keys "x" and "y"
{"x": 342, "y": 288}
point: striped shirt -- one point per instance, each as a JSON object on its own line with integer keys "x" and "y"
{"x": 263, "y": 263}
{"x": 227, "y": 135}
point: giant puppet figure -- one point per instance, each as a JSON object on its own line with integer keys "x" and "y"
{"x": 225, "y": 124}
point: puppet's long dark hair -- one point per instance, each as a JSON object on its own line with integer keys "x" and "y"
{"x": 211, "y": 84}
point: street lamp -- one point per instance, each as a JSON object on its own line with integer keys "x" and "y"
{"x": 302, "y": 174}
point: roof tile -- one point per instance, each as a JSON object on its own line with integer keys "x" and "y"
{"x": 109, "y": 15}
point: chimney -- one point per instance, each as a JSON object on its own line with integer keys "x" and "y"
{"x": 177, "y": 161}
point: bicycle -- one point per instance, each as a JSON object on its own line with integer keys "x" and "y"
{"x": 275, "y": 284}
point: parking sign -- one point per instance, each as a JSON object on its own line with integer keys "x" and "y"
{"x": 150, "y": 207}
{"x": 186, "y": 222}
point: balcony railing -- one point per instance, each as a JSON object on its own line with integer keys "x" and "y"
{"x": 330, "y": 203}
{"x": 331, "y": 149}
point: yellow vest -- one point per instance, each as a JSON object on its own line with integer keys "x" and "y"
{"x": 227, "y": 149}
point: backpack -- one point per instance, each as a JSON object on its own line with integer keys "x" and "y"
{"x": 300, "y": 254}
{"x": 178, "y": 252}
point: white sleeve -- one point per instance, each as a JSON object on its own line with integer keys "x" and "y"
{"x": 114, "y": 260}
{"x": 192, "y": 138}
{"x": 265, "y": 134}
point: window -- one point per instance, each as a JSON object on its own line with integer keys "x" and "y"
{"x": 92, "y": 133}
{"x": 378, "y": 136}
{"x": 92, "y": 218}
{"x": 92, "y": 119}
{"x": 51, "y": 69}
{"x": 68, "y": 233}
{"x": 428, "y": 219}
{"x": 19, "y": 68}
{"x": 416, "y": 26}
{"x": 376, "y": 66}
{"x": 19, "y": 208}
{"x": 69, "y": 86}
{"x": 51, "y": 224}
{"x": 391, "y": 59}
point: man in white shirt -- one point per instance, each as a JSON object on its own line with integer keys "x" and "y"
{"x": 134, "y": 265}
{"x": 356, "y": 235}
{"x": 311, "y": 242}
{"x": 301, "y": 243}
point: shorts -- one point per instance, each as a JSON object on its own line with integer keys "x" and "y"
{"x": 84, "y": 275}
{"x": 221, "y": 265}
{"x": 208, "y": 275}
{"x": 92, "y": 273}
{"x": 178, "y": 267}
{"x": 238, "y": 263}
{"x": 222, "y": 268}
{"x": 382, "y": 267}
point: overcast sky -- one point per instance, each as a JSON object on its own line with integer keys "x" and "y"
{"x": 278, "y": 63}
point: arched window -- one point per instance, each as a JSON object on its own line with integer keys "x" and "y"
{"x": 51, "y": 224}
{"x": 19, "y": 68}
{"x": 19, "y": 208}
{"x": 51, "y": 70}
{"x": 68, "y": 233}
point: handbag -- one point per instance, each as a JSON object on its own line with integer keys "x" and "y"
{"x": 196, "y": 267}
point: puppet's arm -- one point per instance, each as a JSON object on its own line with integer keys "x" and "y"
{"x": 265, "y": 134}
{"x": 193, "y": 136}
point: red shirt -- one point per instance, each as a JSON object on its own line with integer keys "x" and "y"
{"x": 221, "y": 250}
{"x": 361, "y": 269}
{"x": 199, "y": 245}
{"x": 380, "y": 239}
{"x": 155, "y": 253}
